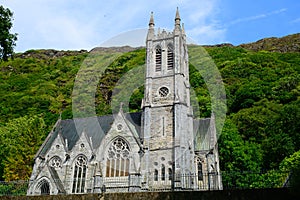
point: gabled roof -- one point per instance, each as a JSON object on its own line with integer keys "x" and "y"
{"x": 94, "y": 127}
{"x": 97, "y": 127}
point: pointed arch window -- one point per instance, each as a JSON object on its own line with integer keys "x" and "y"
{"x": 44, "y": 187}
{"x": 163, "y": 172}
{"x": 158, "y": 58}
{"x": 170, "y": 57}
{"x": 118, "y": 162}
{"x": 170, "y": 174}
{"x": 80, "y": 166}
{"x": 155, "y": 175}
{"x": 199, "y": 169}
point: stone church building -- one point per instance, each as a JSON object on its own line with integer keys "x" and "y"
{"x": 161, "y": 148}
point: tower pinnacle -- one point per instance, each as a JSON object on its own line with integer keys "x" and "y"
{"x": 151, "y": 21}
{"x": 177, "y": 17}
{"x": 150, "y": 34}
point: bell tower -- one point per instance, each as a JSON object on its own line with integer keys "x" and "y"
{"x": 167, "y": 113}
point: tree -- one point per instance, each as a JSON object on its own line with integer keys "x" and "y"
{"x": 291, "y": 164}
{"x": 252, "y": 122}
{"x": 20, "y": 140}
{"x": 282, "y": 137}
{"x": 240, "y": 160}
{"x": 7, "y": 39}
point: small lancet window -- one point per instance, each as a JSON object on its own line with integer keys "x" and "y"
{"x": 170, "y": 174}
{"x": 199, "y": 170}
{"x": 170, "y": 57}
{"x": 158, "y": 59}
{"x": 163, "y": 172}
{"x": 155, "y": 175}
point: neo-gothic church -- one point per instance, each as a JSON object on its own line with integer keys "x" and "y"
{"x": 161, "y": 148}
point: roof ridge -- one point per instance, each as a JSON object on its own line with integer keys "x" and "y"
{"x": 99, "y": 116}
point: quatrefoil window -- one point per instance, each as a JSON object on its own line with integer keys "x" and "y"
{"x": 55, "y": 162}
{"x": 163, "y": 91}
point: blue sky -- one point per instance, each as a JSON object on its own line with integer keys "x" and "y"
{"x": 84, "y": 24}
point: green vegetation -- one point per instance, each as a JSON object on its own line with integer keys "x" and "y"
{"x": 261, "y": 133}
{"x": 20, "y": 141}
{"x": 7, "y": 39}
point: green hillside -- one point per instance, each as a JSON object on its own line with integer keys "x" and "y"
{"x": 262, "y": 127}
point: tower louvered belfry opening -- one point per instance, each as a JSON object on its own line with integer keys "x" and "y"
{"x": 170, "y": 57}
{"x": 158, "y": 58}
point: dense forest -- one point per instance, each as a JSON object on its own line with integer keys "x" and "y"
{"x": 260, "y": 142}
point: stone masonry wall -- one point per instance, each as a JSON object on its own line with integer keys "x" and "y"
{"x": 249, "y": 194}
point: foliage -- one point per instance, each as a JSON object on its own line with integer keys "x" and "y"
{"x": 252, "y": 122}
{"x": 135, "y": 99}
{"x": 13, "y": 188}
{"x": 7, "y": 39}
{"x": 32, "y": 84}
{"x": 20, "y": 140}
{"x": 292, "y": 164}
{"x": 111, "y": 82}
{"x": 240, "y": 160}
{"x": 237, "y": 154}
{"x": 262, "y": 91}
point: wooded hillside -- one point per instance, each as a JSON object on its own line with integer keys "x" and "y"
{"x": 261, "y": 131}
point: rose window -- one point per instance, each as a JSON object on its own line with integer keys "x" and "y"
{"x": 163, "y": 91}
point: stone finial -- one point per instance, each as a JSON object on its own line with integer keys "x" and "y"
{"x": 177, "y": 29}
{"x": 150, "y": 34}
{"x": 151, "y": 21}
{"x": 183, "y": 31}
{"x": 177, "y": 18}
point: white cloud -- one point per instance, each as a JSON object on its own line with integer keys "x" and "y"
{"x": 207, "y": 35}
{"x": 256, "y": 17}
{"x": 63, "y": 32}
{"x": 295, "y": 21}
{"x": 80, "y": 24}
{"x": 201, "y": 24}
{"x": 201, "y": 11}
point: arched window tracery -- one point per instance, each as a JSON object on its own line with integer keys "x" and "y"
{"x": 80, "y": 167}
{"x": 55, "y": 162}
{"x": 118, "y": 162}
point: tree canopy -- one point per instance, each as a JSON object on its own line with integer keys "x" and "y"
{"x": 262, "y": 91}
{"x": 20, "y": 140}
{"x": 7, "y": 39}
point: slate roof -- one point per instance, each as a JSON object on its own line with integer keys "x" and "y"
{"x": 95, "y": 128}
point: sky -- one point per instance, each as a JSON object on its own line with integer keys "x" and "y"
{"x": 85, "y": 24}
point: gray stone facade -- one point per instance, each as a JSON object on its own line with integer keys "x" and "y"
{"x": 161, "y": 148}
